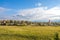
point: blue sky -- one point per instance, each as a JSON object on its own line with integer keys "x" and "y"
{"x": 19, "y": 4}
{"x": 30, "y": 9}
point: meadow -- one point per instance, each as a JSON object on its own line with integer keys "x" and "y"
{"x": 29, "y": 32}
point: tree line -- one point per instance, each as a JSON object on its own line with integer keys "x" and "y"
{"x": 25, "y": 23}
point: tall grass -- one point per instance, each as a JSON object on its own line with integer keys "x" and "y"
{"x": 29, "y": 33}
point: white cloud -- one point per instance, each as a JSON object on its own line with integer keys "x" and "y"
{"x": 54, "y": 12}
{"x": 32, "y": 14}
{"x": 40, "y": 13}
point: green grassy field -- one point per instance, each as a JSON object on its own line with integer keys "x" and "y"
{"x": 28, "y": 32}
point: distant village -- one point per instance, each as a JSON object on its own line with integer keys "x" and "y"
{"x": 25, "y": 23}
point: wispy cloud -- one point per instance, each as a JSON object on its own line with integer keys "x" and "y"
{"x": 2, "y": 9}
{"x": 38, "y": 4}
{"x": 6, "y": 13}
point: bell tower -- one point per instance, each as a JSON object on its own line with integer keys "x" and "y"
{"x": 49, "y": 22}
